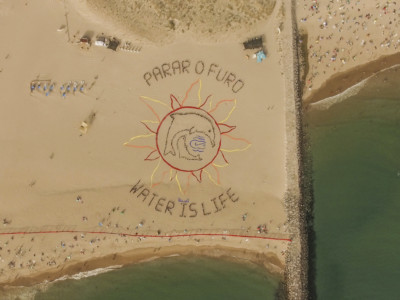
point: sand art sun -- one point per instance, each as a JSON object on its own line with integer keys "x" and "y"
{"x": 188, "y": 138}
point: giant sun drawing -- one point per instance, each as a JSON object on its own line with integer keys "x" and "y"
{"x": 188, "y": 139}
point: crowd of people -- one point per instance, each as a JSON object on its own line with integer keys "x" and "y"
{"x": 345, "y": 33}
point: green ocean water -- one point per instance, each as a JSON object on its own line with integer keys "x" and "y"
{"x": 171, "y": 278}
{"x": 355, "y": 149}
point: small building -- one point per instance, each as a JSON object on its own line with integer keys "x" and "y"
{"x": 254, "y": 43}
{"x": 102, "y": 41}
{"x": 85, "y": 41}
{"x": 113, "y": 44}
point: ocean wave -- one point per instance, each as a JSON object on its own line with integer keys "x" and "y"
{"x": 173, "y": 255}
{"x": 22, "y": 292}
{"x": 328, "y": 102}
{"x": 351, "y": 91}
{"x": 29, "y": 293}
{"x": 89, "y": 273}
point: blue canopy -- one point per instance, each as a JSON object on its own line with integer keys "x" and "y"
{"x": 261, "y": 56}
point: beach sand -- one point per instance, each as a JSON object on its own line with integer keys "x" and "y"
{"x": 59, "y": 176}
{"x": 345, "y": 41}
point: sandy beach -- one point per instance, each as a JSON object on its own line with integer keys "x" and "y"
{"x": 345, "y": 42}
{"x": 83, "y": 130}
{"x": 340, "y": 82}
{"x": 178, "y": 142}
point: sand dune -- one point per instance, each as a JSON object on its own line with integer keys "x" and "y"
{"x": 162, "y": 21}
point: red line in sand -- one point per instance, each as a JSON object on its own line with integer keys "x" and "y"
{"x": 146, "y": 235}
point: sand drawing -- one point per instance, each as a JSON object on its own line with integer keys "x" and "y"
{"x": 188, "y": 138}
{"x": 202, "y": 126}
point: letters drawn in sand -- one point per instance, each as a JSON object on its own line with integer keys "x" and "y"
{"x": 188, "y": 139}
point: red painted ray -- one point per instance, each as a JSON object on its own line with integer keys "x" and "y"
{"x": 151, "y": 130}
{"x": 153, "y": 155}
{"x": 204, "y": 103}
{"x": 174, "y": 102}
{"x": 198, "y": 174}
{"x": 223, "y": 156}
{"x": 224, "y": 128}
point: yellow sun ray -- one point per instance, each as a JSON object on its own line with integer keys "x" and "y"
{"x": 164, "y": 172}
{"x": 210, "y": 177}
{"x": 138, "y": 137}
{"x": 172, "y": 173}
{"x": 221, "y": 166}
{"x": 229, "y": 114}
{"x": 198, "y": 94}
{"x": 236, "y": 150}
{"x": 154, "y": 172}
{"x": 220, "y": 161}
{"x": 179, "y": 184}
{"x": 155, "y": 100}
{"x": 220, "y": 107}
{"x": 150, "y": 121}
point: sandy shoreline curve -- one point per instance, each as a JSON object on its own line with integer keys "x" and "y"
{"x": 269, "y": 261}
{"x": 342, "y": 81}
{"x": 83, "y": 184}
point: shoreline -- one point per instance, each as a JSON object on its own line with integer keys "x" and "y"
{"x": 342, "y": 81}
{"x": 353, "y": 90}
{"x": 267, "y": 260}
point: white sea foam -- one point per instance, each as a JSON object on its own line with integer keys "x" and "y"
{"x": 28, "y": 293}
{"x": 351, "y": 91}
{"x": 328, "y": 102}
{"x": 173, "y": 255}
{"x": 89, "y": 273}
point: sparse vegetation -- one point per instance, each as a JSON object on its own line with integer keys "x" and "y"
{"x": 173, "y": 16}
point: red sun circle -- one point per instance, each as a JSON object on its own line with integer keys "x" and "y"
{"x": 188, "y": 139}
